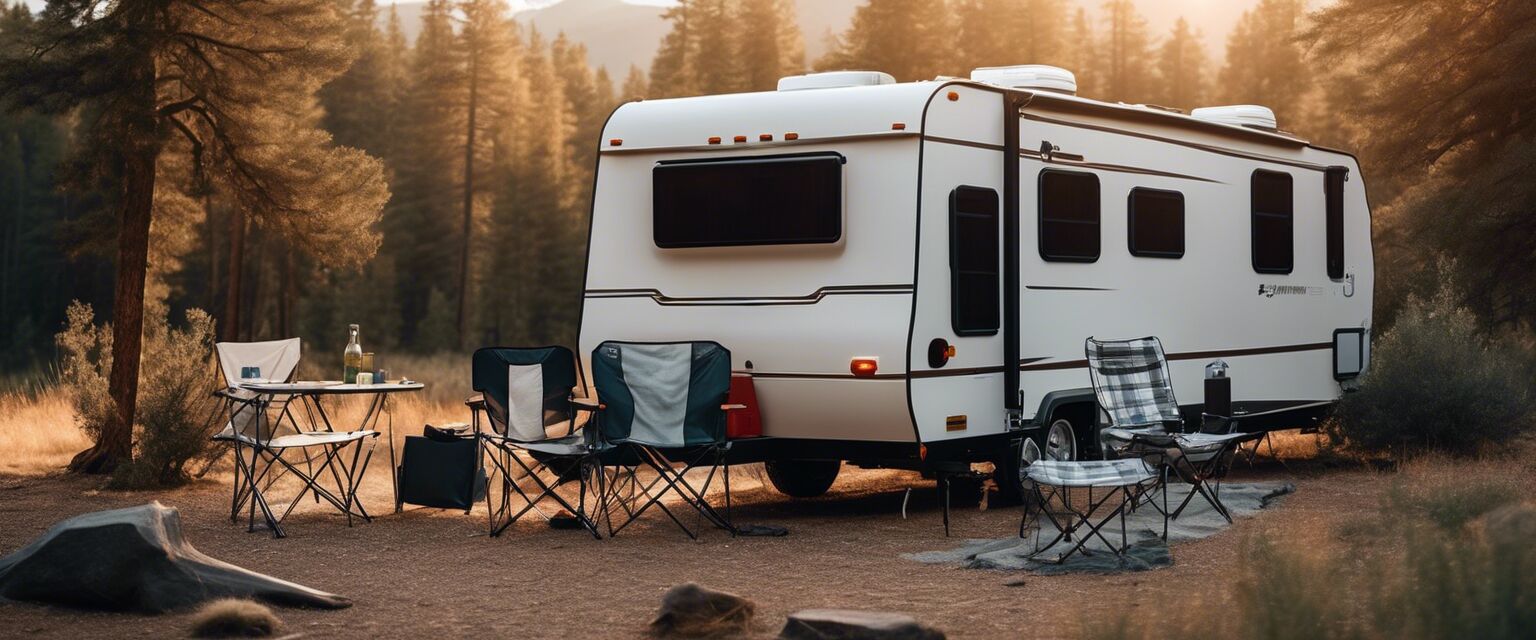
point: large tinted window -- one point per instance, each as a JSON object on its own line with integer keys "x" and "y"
{"x": 1069, "y": 216}
{"x": 1333, "y": 190}
{"x": 1156, "y": 223}
{"x": 795, "y": 199}
{"x": 973, "y": 261}
{"x": 1272, "y": 217}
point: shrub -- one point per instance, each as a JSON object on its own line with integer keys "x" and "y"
{"x": 1436, "y": 383}
{"x": 174, "y": 407}
{"x": 1415, "y": 577}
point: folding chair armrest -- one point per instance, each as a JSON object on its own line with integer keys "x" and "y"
{"x": 590, "y": 404}
{"x": 1222, "y": 424}
{"x": 476, "y": 401}
{"x": 229, "y": 394}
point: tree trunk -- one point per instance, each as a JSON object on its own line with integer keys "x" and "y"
{"x": 230, "y": 323}
{"x": 469, "y": 203}
{"x": 115, "y": 444}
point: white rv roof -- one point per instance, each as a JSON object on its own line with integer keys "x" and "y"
{"x": 852, "y": 111}
{"x": 812, "y": 113}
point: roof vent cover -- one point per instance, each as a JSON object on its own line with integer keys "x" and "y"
{"x": 1029, "y": 76}
{"x": 833, "y": 79}
{"x": 1239, "y": 115}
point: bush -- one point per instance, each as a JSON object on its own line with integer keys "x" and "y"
{"x": 174, "y": 406}
{"x": 1414, "y": 577}
{"x": 1436, "y": 383}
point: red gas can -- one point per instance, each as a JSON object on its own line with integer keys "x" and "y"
{"x": 748, "y": 422}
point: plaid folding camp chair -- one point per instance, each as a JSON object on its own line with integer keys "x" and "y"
{"x": 663, "y": 408}
{"x": 1133, "y": 387}
{"x": 262, "y": 429}
{"x": 1123, "y": 483}
{"x": 528, "y": 400}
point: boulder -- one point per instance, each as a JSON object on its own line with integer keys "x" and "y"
{"x": 691, "y": 610}
{"x": 136, "y": 559}
{"x": 838, "y": 624}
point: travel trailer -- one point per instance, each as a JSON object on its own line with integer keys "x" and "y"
{"x": 908, "y": 272}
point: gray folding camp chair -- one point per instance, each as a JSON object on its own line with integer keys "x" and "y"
{"x": 262, "y": 429}
{"x": 663, "y": 408}
{"x": 531, "y": 410}
{"x": 1133, "y": 387}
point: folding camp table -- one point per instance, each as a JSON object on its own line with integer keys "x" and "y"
{"x": 309, "y": 395}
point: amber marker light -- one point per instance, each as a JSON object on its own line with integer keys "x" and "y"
{"x": 616, "y": 142}
{"x": 791, "y": 136}
{"x": 740, "y": 139}
{"x": 953, "y": 96}
{"x": 864, "y": 367}
{"x": 765, "y": 137}
{"x": 899, "y": 126}
{"x": 714, "y": 139}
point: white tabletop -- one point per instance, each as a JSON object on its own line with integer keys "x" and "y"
{"x": 327, "y": 387}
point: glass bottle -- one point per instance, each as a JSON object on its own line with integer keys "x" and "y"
{"x": 352, "y": 358}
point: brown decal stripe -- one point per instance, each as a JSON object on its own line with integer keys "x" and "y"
{"x": 1035, "y": 364}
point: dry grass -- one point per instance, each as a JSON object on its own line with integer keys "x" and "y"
{"x": 232, "y": 618}
{"x": 38, "y": 434}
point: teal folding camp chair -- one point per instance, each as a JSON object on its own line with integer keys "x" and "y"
{"x": 531, "y": 433}
{"x": 663, "y": 408}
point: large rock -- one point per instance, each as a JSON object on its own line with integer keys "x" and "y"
{"x": 691, "y": 610}
{"x": 839, "y": 624}
{"x": 136, "y": 559}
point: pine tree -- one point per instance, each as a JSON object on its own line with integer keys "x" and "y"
{"x": 769, "y": 43}
{"x": 674, "y": 69}
{"x": 236, "y": 81}
{"x": 1082, "y": 56}
{"x": 1180, "y": 69}
{"x": 1265, "y": 64}
{"x": 358, "y": 100}
{"x": 636, "y": 86}
{"x": 483, "y": 42}
{"x": 1008, "y": 32}
{"x": 420, "y": 232}
{"x": 1126, "y": 71}
{"x": 909, "y": 39}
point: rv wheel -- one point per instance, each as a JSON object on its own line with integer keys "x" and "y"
{"x": 802, "y": 478}
{"x": 1059, "y": 442}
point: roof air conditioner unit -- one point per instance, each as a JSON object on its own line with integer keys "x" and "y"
{"x": 1028, "y": 76}
{"x": 833, "y": 79}
{"x": 1239, "y": 115}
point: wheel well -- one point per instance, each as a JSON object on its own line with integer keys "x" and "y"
{"x": 1081, "y": 408}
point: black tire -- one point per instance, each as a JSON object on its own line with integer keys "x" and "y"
{"x": 803, "y": 478}
{"x": 1008, "y": 473}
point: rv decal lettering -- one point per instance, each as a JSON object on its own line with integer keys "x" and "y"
{"x": 1272, "y": 290}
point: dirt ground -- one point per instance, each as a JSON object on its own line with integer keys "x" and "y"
{"x": 429, "y": 572}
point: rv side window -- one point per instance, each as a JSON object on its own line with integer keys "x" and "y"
{"x": 1271, "y": 219}
{"x": 784, "y": 199}
{"x": 973, "y": 261}
{"x": 1156, "y": 223}
{"x": 1333, "y": 190}
{"x": 1069, "y": 216}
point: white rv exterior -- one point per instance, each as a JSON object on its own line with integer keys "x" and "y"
{"x": 796, "y": 315}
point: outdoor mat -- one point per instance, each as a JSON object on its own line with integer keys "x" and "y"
{"x": 1143, "y": 529}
